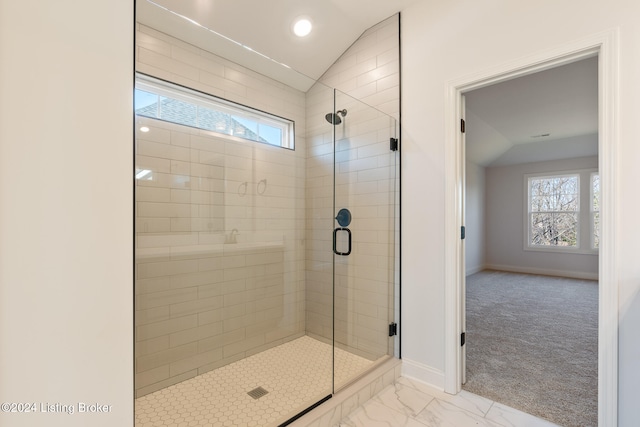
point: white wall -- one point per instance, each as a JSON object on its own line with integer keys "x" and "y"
{"x": 475, "y": 236}
{"x": 66, "y": 219}
{"x": 443, "y": 41}
{"x": 507, "y": 220}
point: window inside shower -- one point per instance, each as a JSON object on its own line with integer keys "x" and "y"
{"x": 168, "y": 102}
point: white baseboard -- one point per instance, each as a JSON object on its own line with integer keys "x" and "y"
{"x": 474, "y": 270}
{"x": 543, "y": 271}
{"x": 423, "y": 373}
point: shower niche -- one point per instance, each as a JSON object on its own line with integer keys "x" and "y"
{"x": 244, "y": 310}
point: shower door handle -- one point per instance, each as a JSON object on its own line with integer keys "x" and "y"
{"x": 335, "y": 241}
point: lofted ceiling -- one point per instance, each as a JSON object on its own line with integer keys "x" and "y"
{"x": 237, "y": 29}
{"x": 549, "y": 115}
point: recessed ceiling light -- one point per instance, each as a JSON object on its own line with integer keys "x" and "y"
{"x": 144, "y": 129}
{"x": 302, "y": 27}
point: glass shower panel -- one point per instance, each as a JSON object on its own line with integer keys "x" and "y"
{"x": 319, "y": 213}
{"x": 220, "y": 277}
{"x": 364, "y": 237}
{"x": 255, "y": 297}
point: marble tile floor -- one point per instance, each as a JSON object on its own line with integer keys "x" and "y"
{"x": 410, "y": 403}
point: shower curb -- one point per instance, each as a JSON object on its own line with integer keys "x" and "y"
{"x": 348, "y": 399}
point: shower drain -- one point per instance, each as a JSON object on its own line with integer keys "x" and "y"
{"x": 257, "y": 393}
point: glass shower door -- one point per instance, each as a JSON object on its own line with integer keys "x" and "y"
{"x": 364, "y": 237}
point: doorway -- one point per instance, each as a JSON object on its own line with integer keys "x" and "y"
{"x": 605, "y": 47}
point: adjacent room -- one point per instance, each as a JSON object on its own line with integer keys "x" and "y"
{"x": 532, "y": 235}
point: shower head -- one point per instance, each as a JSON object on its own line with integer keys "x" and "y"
{"x": 334, "y": 118}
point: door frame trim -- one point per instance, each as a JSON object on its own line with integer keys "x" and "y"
{"x": 605, "y": 45}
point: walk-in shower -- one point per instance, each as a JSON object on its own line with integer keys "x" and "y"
{"x": 257, "y": 295}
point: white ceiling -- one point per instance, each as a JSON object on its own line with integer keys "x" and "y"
{"x": 265, "y": 26}
{"x": 505, "y": 121}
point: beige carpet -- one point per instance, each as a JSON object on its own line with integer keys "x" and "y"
{"x": 532, "y": 344}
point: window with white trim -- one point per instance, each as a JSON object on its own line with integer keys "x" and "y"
{"x": 595, "y": 210}
{"x": 172, "y": 103}
{"x": 554, "y": 211}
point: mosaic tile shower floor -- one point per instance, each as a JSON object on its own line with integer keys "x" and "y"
{"x": 295, "y": 374}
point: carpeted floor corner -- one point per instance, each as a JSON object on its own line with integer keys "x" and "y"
{"x": 532, "y": 344}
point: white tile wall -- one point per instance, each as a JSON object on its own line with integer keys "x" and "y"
{"x": 370, "y": 69}
{"x": 201, "y": 303}
{"x": 366, "y": 183}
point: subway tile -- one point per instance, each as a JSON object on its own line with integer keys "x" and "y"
{"x": 166, "y": 268}
{"x": 234, "y": 299}
{"x": 163, "y": 210}
{"x": 190, "y": 55}
{"x": 196, "y": 306}
{"x": 165, "y": 298}
{"x": 154, "y": 44}
{"x": 142, "y": 391}
{"x": 210, "y": 290}
{"x": 154, "y": 345}
{"x": 152, "y": 194}
{"x": 211, "y": 263}
{"x": 154, "y": 164}
{"x": 209, "y": 316}
{"x": 241, "y": 346}
{"x": 179, "y": 167}
{"x": 158, "y": 243}
{"x": 195, "y": 334}
{"x": 165, "y": 37}
{"x": 180, "y": 224}
{"x": 165, "y": 357}
{"x": 389, "y": 82}
{"x": 180, "y": 139}
{"x": 162, "y": 150}
{"x": 151, "y": 376}
{"x": 195, "y": 361}
{"x": 157, "y": 329}
{"x": 155, "y": 284}
{"x": 234, "y": 310}
{"x": 156, "y": 139}
{"x": 152, "y": 315}
{"x": 158, "y": 179}
{"x": 166, "y": 63}
{"x": 219, "y": 341}
{"x": 240, "y": 322}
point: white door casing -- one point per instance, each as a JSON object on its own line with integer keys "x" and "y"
{"x": 605, "y": 46}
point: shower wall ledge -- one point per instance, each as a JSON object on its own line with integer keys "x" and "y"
{"x": 209, "y": 250}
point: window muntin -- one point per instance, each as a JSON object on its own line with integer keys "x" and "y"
{"x": 165, "y": 101}
{"x": 554, "y": 211}
{"x": 595, "y": 210}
